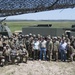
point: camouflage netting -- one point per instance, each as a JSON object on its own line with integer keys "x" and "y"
{"x": 15, "y": 7}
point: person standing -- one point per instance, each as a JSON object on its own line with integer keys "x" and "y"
{"x": 43, "y": 48}
{"x": 70, "y": 52}
{"x": 36, "y": 47}
{"x": 63, "y": 50}
{"x": 55, "y": 49}
{"x": 49, "y": 48}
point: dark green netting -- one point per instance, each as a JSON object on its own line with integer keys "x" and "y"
{"x": 15, "y": 7}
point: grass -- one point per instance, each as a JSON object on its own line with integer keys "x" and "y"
{"x": 18, "y": 25}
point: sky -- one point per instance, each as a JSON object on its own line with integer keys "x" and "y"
{"x": 61, "y": 14}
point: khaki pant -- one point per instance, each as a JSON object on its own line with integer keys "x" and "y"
{"x": 72, "y": 55}
{"x": 55, "y": 55}
{"x": 49, "y": 54}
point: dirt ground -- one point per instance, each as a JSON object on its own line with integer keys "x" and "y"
{"x": 39, "y": 68}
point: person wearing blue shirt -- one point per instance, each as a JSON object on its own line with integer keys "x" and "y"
{"x": 63, "y": 50}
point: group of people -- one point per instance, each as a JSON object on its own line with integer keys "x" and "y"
{"x": 12, "y": 50}
{"x": 50, "y": 48}
{"x": 39, "y": 47}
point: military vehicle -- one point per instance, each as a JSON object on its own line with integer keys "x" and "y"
{"x": 43, "y": 29}
{"x": 70, "y": 31}
{"x": 46, "y": 29}
{"x": 4, "y": 29}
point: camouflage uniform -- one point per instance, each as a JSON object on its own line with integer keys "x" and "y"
{"x": 5, "y": 41}
{"x": 28, "y": 47}
{"x": 11, "y": 42}
{"x": 72, "y": 54}
{"x": 25, "y": 57}
{"x": 1, "y": 45}
{"x": 73, "y": 42}
{"x": 49, "y": 49}
{"x": 69, "y": 51}
{"x": 13, "y": 54}
{"x": 7, "y": 53}
{"x": 55, "y": 49}
{"x": 1, "y": 54}
{"x": 31, "y": 49}
{"x": 23, "y": 53}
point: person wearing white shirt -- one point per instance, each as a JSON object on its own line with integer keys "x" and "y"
{"x": 43, "y": 48}
{"x": 36, "y": 48}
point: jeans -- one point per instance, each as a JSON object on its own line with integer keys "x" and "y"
{"x": 43, "y": 52}
{"x": 63, "y": 55}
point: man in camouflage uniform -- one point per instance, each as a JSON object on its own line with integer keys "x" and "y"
{"x": 1, "y": 51}
{"x": 13, "y": 55}
{"x": 7, "y": 50}
{"x": 5, "y": 40}
{"x": 27, "y": 43}
{"x": 49, "y": 48}
{"x": 1, "y": 44}
{"x": 23, "y": 53}
{"x": 70, "y": 52}
{"x": 73, "y": 55}
{"x": 55, "y": 49}
{"x": 73, "y": 43}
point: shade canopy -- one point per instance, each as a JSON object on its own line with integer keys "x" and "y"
{"x": 16, "y": 7}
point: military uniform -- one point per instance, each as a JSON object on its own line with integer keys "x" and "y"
{"x": 73, "y": 43}
{"x": 25, "y": 57}
{"x": 69, "y": 51}
{"x": 7, "y": 54}
{"x": 72, "y": 54}
{"x": 1, "y": 45}
{"x": 55, "y": 49}
{"x": 5, "y": 40}
{"x": 23, "y": 53}
{"x": 49, "y": 49}
{"x": 13, "y": 54}
{"x": 28, "y": 46}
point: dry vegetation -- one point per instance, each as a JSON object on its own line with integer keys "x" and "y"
{"x": 39, "y": 68}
